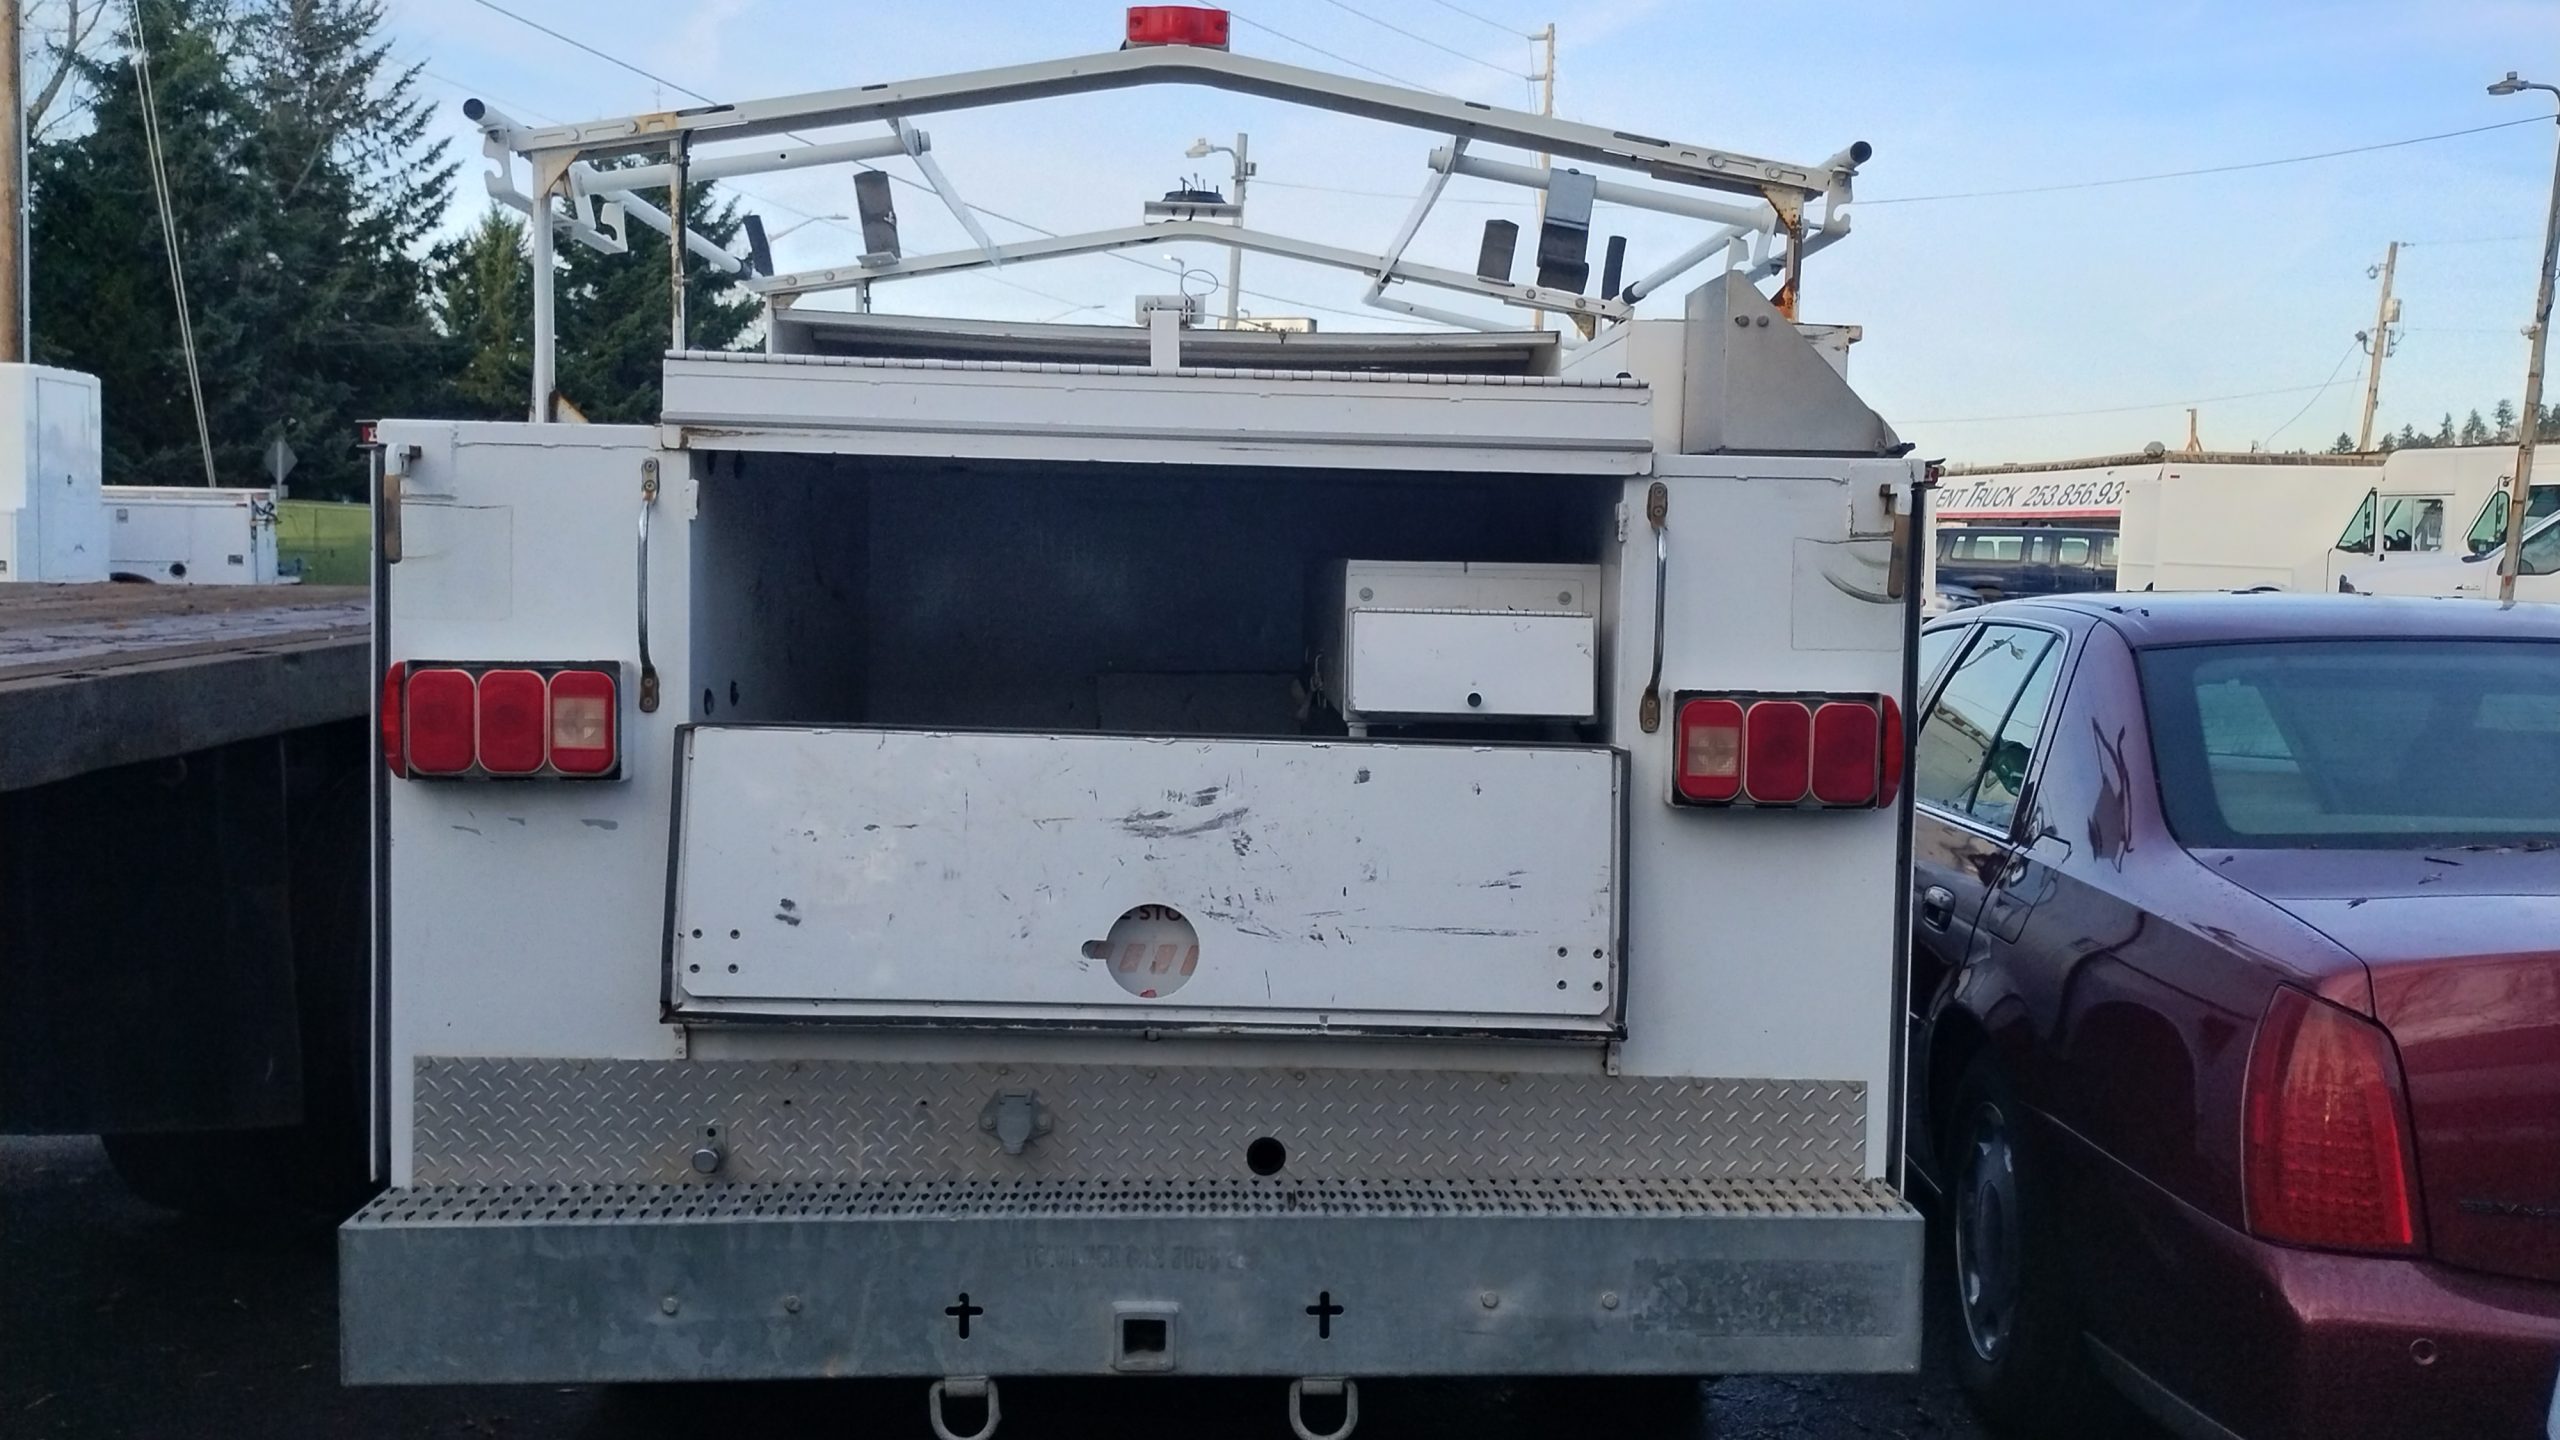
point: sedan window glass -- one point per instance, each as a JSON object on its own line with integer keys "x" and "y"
{"x": 1966, "y": 730}
{"x": 2004, "y": 775}
{"x": 2366, "y": 743}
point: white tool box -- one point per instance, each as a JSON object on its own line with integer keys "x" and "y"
{"x": 1459, "y": 641}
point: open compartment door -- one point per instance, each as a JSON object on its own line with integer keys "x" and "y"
{"x": 886, "y": 876}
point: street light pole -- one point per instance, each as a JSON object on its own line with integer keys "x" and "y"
{"x": 1201, "y": 149}
{"x": 2520, "y": 489}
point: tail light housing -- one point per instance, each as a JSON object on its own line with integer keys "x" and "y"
{"x": 444, "y": 720}
{"x": 1786, "y": 751}
{"x": 1176, "y": 25}
{"x": 2327, "y": 1153}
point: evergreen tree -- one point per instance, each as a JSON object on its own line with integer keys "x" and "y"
{"x": 613, "y": 314}
{"x": 2345, "y": 444}
{"x": 102, "y": 298}
{"x": 484, "y": 302}
{"x": 2388, "y": 443}
{"x": 2503, "y": 415}
{"x": 353, "y": 190}
{"x": 2410, "y": 439}
{"x": 2444, "y": 432}
{"x": 2475, "y": 431}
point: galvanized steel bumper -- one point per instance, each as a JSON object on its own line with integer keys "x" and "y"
{"x": 615, "y": 1282}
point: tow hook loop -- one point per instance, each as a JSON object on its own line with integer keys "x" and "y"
{"x": 1300, "y": 1389}
{"x": 1015, "y": 1118}
{"x": 974, "y": 1387}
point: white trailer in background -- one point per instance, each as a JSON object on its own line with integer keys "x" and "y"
{"x": 2212, "y": 521}
{"x": 191, "y": 534}
{"x": 1088, "y": 850}
{"x": 51, "y": 529}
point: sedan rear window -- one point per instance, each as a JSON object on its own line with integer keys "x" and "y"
{"x": 2371, "y": 743}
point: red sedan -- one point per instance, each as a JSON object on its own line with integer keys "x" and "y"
{"x": 2236, "y": 1008}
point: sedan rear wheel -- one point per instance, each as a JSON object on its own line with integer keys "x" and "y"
{"x": 2021, "y": 1359}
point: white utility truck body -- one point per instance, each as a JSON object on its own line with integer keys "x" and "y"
{"x": 977, "y": 850}
{"x": 191, "y": 534}
{"x": 51, "y": 529}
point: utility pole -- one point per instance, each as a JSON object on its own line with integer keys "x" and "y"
{"x": 13, "y": 193}
{"x": 1546, "y": 78}
{"x": 2378, "y": 340}
{"x": 1201, "y": 149}
{"x": 2520, "y": 489}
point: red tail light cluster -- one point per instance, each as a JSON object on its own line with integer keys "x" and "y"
{"x": 1826, "y": 752}
{"x": 507, "y": 722}
{"x": 2325, "y": 1142}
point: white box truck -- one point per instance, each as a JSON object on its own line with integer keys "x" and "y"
{"x": 978, "y": 849}
{"x": 191, "y": 534}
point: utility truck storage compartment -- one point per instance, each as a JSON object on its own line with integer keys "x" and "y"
{"x": 1142, "y": 599}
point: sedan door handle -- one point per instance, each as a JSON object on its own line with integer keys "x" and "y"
{"x": 1937, "y": 906}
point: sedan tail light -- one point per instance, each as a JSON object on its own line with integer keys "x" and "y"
{"x": 2327, "y": 1158}
{"x": 444, "y": 720}
{"x": 1828, "y": 752}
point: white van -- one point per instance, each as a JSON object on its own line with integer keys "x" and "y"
{"x": 2474, "y": 574}
{"x": 2423, "y": 495}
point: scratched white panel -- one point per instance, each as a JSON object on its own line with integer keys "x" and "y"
{"x": 1344, "y": 885}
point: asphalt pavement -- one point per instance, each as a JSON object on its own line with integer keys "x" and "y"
{"x": 117, "y": 1319}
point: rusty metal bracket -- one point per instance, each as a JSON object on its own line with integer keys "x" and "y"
{"x": 1790, "y": 210}
{"x": 1657, "y": 513}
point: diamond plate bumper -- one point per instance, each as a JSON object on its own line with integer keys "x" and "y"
{"x": 518, "y": 1121}
{"x": 618, "y": 1282}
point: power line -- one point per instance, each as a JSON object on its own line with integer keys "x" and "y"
{"x": 2118, "y": 409}
{"x": 1480, "y": 19}
{"x": 2470, "y": 240}
{"x": 2270, "y": 440}
{"x": 1382, "y": 194}
{"x": 1320, "y": 50}
{"x": 158, "y": 155}
{"x": 2203, "y": 170}
{"x": 1420, "y": 39}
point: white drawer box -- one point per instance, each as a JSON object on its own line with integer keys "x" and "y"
{"x": 1471, "y": 664}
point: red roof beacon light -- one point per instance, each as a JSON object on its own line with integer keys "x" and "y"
{"x": 1177, "y": 25}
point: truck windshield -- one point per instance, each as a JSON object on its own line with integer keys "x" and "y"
{"x": 2364, "y": 743}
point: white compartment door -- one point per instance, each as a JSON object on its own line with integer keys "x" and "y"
{"x": 889, "y": 875}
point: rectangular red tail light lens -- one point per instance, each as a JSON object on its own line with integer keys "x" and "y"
{"x": 1793, "y": 751}
{"x": 446, "y": 720}
{"x": 1177, "y": 25}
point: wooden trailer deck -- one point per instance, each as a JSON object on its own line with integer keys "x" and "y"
{"x": 95, "y": 676}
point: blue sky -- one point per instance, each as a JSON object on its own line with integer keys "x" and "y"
{"x": 2152, "y": 295}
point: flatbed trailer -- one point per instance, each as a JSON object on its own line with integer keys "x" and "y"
{"x": 182, "y": 884}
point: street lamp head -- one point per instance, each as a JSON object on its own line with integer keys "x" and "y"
{"x": 1201, "y": 148}
{"x": 2509, "y": 86}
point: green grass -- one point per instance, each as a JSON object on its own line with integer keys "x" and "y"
{"x": 331, "y": 541}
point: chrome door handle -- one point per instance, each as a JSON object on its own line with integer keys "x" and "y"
{"x": 1937, "y": 906}
{"x": 648, "y": 502}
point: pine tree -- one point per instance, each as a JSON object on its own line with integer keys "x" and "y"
{"x": 2475, "y": 431}
{"x": 2345, "y": 444}
{"x": 2410, "y": 439}
{"x": 2444, "y": 432}
{"x": 484, "y": 302}
{"x": 2503, "y": 415}
{"x": 353, "y": 190}
{"x": 102, "y": 299}
{"x": 613, "y": 314}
